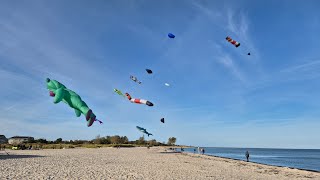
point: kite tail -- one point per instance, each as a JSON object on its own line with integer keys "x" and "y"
{"x": 98, "y": 121}
{"x": 128, "y": 96}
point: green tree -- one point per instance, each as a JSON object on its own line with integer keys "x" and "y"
{"x": 97, "y": 140}
{"x": 124, "y": 140}
{"x": 42, "y": 140}
{"x": 31, "y": 140}
{"x": 115, "y": 139}
{"x": 58, "y": 141}
{"x": 152, "y": 142}
{"x": 108, "y": 140}
{"x": 104, "y": 140}
{"x": 172, "y": 141}
{"x": 141, "y": 140}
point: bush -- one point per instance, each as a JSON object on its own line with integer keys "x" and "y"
{"x": 122, "y": 145}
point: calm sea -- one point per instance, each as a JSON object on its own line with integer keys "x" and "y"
{"x": 308, "y": 159}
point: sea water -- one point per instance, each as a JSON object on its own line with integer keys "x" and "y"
{"x": 308, "y": 159}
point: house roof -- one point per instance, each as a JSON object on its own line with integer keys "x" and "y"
{"x": 22, "y": 137}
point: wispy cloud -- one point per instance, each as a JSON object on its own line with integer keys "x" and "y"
{"x": 239, "y": 25}
{"x": 229, "y": 22}
{"x": 229, "y": 63}
{"x": 213, "y": 15}
{"x": 308, "y": 69}
{"x": 239, "y": 28}
{"x": 307, "y": 66}
{"x": 9, "y": 107}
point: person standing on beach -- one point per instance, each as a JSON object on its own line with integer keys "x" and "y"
{"x": 247, "y": 156}
{"x": 198, "y": 150}
{"x": 202, "y": 150}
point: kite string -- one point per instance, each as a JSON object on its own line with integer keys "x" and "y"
{"x": 98, "y": 121}
{"x": 4, "y": 149}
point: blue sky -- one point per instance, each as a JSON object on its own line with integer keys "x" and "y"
{"x": 218, "y": 96}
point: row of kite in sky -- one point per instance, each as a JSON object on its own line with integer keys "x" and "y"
{"x": 135, "y": 79}
{"x": 137, "y": 100}
{"x": 61, "y": 93}
{"x": 141, "y": 101}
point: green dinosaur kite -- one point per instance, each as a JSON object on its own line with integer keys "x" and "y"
{"x": 61, "y": 93}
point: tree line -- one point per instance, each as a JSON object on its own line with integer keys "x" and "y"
{"x": 116, "y": 139}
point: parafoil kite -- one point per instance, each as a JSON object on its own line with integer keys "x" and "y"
{"x": 149, "y": 71}
{"x": 249, "y": 54}
{"x": 143, "y": 130}
{"x": 119, "y": 92}
{"x": 170, "y": 35}
{"x": 162, "y": 120}
{"x": 235, "y": 43}
{"x": 139, "y": 101}
{"x": 166, "y": 84}
{"x": 135, "y": 79}
{"x": 61, "y": 93}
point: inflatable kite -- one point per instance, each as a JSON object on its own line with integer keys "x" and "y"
{"x": 162, "y": 120}
{"x": 149, "y": 71}
{"x": 119, "y": 92}
{"x": 61, "y": 93}
{"x": 170, "y": 35}
{"x": 144, "y": 130}
{"x": 235, "y": 43}
{"x": 135, "y": 79}
{"x": 139, "y": 101}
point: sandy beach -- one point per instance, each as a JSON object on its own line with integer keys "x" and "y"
{"x": 134, "y": 163}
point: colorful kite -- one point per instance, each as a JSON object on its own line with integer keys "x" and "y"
{"x": 61, "y": 93}
{"x": 235, "y": 43}
{"x": 135, "y": 79}
{"x": 119, "y": 92}
{"x": 139, "y": 101}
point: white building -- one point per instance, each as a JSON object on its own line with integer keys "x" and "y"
{"x": 19, "y": 139}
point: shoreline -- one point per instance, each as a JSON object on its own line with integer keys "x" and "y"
{"x": 208, "y": 155}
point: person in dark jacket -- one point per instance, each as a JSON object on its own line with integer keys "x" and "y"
{"x": 247, "y": 156}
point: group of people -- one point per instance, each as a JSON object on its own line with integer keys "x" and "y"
{"x": 199, "y": 150}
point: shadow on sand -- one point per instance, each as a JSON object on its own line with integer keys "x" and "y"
{"x": 4, "y": 156}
